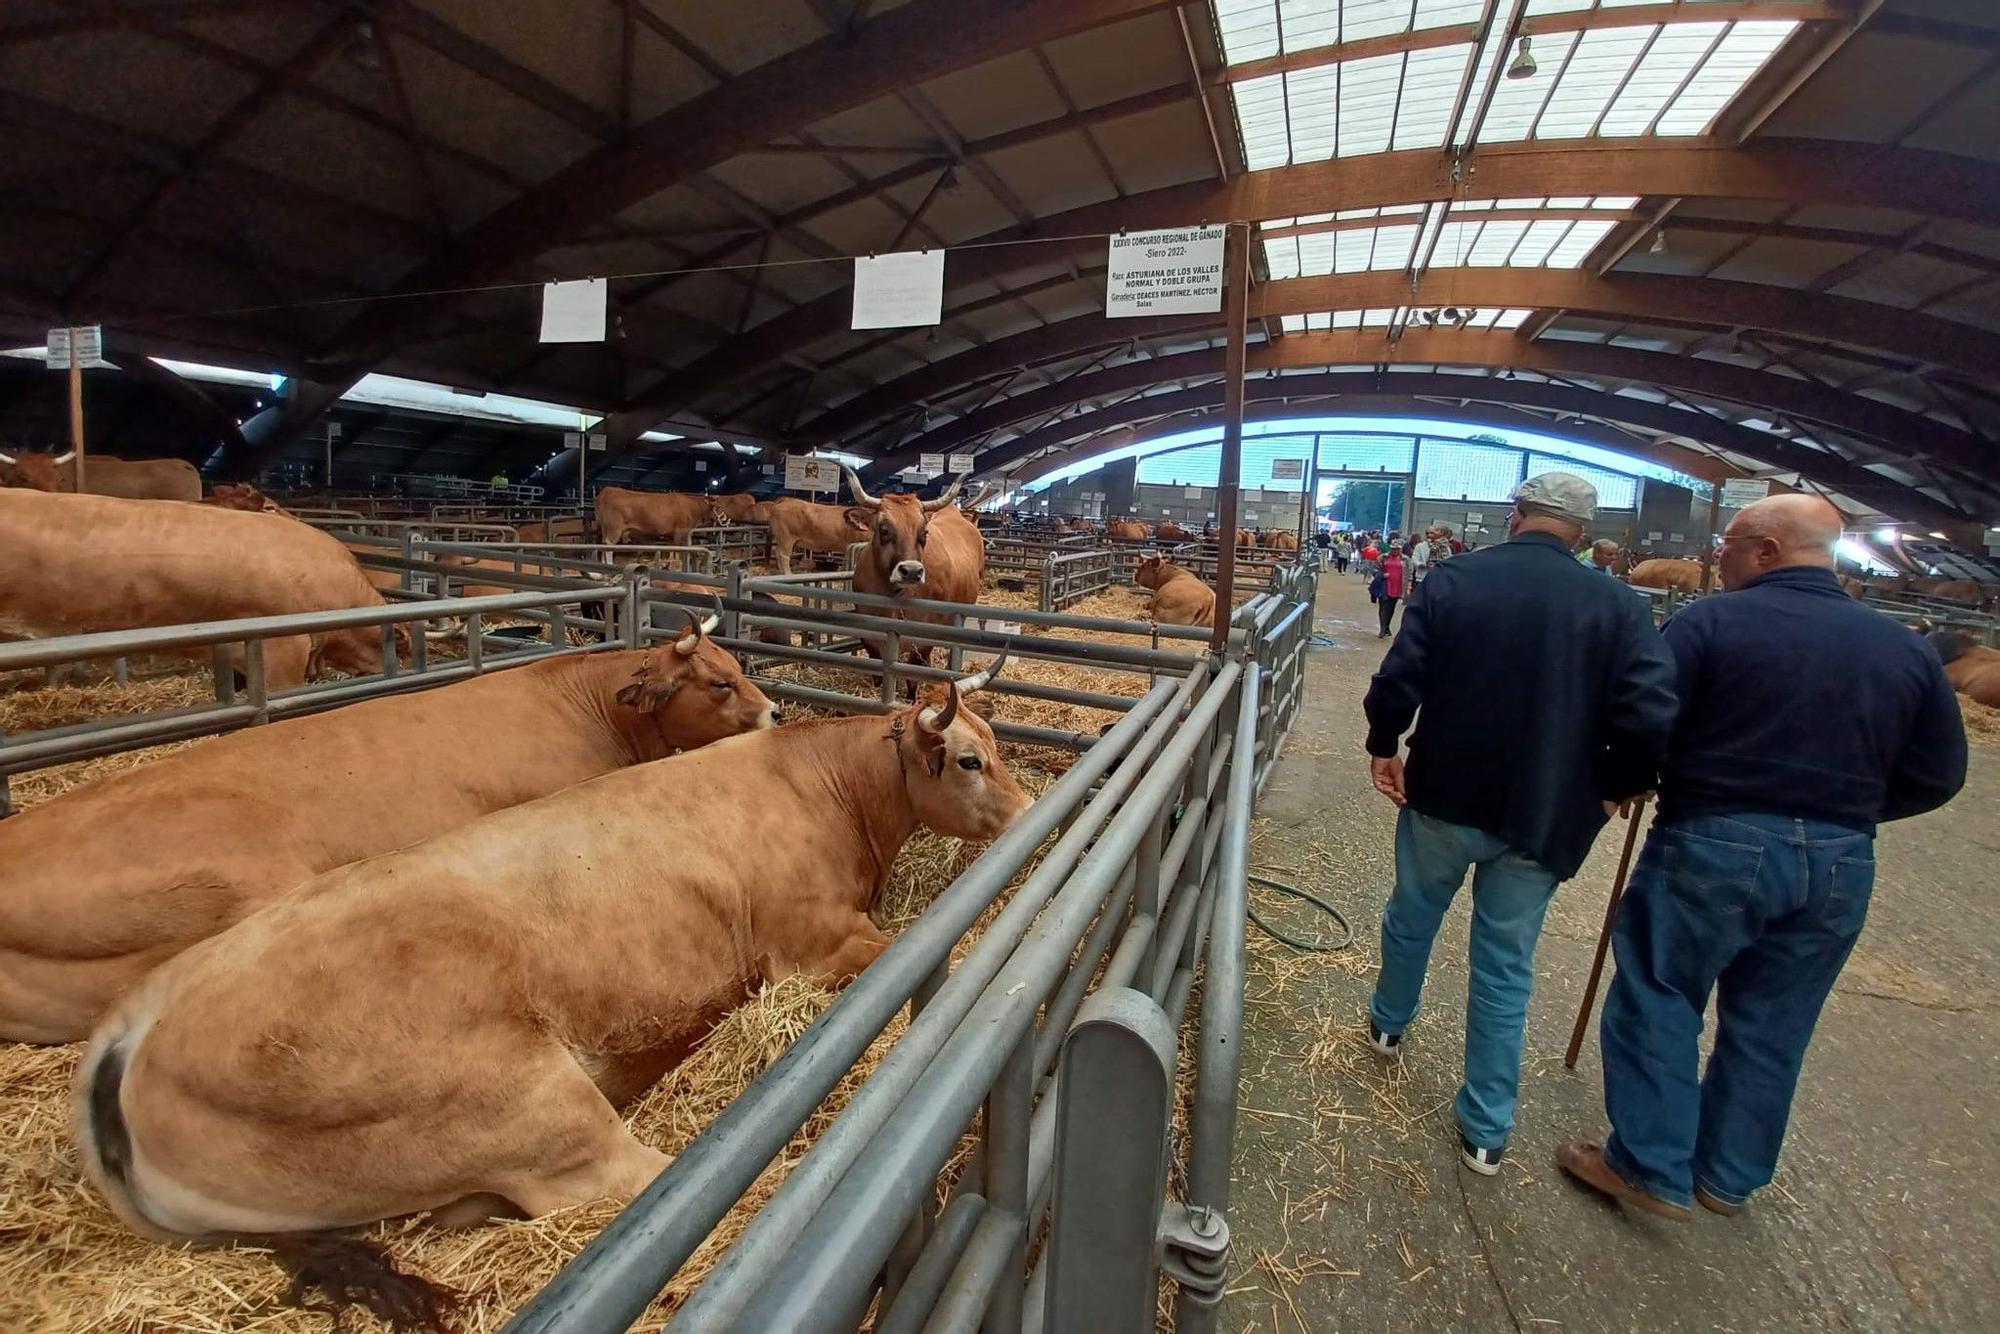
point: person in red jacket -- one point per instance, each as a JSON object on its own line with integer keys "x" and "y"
{"x": 1395, "y": 573}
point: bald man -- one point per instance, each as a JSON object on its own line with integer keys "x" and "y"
{"x": 1806, "y": 719}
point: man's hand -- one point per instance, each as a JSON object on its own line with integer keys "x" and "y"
{"x": 1388, "y": 777}
{"x": 1628, "y": 808}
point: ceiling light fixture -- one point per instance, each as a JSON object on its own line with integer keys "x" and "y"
{"x": 1524, "y": 65}
{"x": 1659, "y": 246}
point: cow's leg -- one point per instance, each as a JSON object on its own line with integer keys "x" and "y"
{"x": 832, "y": 947}
{"x": 573, "y": 1146}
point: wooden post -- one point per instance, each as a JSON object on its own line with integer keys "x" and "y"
{"x": 1229, "y": 476}
{"x": 1708, "y": 548}
{"x": 76, "y": 410}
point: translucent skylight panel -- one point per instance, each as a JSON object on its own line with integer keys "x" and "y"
{"x": 1282, "y": 257}
{"x": 1582, "y": 239}
{"x": 1496, "y": 242}
{"x": 1260, "y": 114}
{"x": 1430, "y": 89}
{"x": 1536, "y": 243}
{"x": 1511, "y": 319}
{"x": 1557, "y": 6}
{"x": 1312, "y": 219}
{"x": 1614, "y": 201}
{"x": 1392, "y": 247}
{"x": 1317, "y": 322}
{"x": 1292, "y": 323}
{"x": 1348, "y": 214}
{"x": 1317, "y": 253}
{"x": 1346, "y": 319}
{"x": 1659, "y": 76}
{"x": 1571, "y": 201}
{"x": 1470, "y": 205}
{"x": 1536, "y": 202}
{"x": 1312, "y": 95}
{"x": 1455, "y": 242}
{"x": 1352, "y": 250}
{"x": 1602, "y": 59}
{"x": 1482, "y": 319}
{"x": 1360, "y": 19}
{"x": 1391, "y": 210}
{"x": 1371, "y": 319}
{"x": 1735, "y": 60}
{"x": 1303, "y": 24}
{"x": 1368, "y": 103}
{"x": 1440, "y": 13}
{"x": 1249, "y": 28}
{"x": 1510, "y": 117}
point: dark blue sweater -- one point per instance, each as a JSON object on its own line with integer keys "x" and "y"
{"x": 1797, "y": 700}
{"x": 1544, "y": 691}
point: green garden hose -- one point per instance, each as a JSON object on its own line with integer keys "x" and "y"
{"x": 1304, "y": 946}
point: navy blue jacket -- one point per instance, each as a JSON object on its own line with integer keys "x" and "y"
{"x": 1797, "y": 700}
{"x": 1544, "y": 691}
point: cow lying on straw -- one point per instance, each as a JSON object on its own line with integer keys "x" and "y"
{"x": 104, "y": 883}
{"x": 451, "y": 1027}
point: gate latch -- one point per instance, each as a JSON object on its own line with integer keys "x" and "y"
{"x": 1194, "y": 1250}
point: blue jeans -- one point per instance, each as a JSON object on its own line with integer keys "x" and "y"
{"x": 1510, "y": 894}
{"x": 1763, "y": 910}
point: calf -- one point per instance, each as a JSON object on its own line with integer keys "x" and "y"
{"x": 1179, "y": 595}
{"x": 801, "y": 524}
{"x": 452, "y": 1026}
{"x": 230, "y": 824}
{"x": 1972, "y": 668}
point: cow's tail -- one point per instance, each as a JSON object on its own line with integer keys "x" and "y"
{"x": 343, "y": 1270}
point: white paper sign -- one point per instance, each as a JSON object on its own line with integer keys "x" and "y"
{"x": 700, "y": 465}
{"x": 1653, "y": 537}
{"x": 597, "y": 442}
{"x": 958, "y": 464}
{"x": 1191, "y": 493}
{"x": 572, "y": 439}
{"x": 1000, "y": 627}
{"x": 89, "y": 347}
{"x": 1165, "y": 273}
{"x": 1474, "y": 517}
{"x": 930, "y": 465}
{"x": 1676, "y": 537}
{"x": 1740, "y": 491}
{"x": 899, "y": 291}
{"x": 1288, "y": 470}
{"x": 806, "y": 474}
{"x": 574, "y": 312}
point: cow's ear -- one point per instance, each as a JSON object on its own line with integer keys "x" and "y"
{"x": 630, "y": 696}
{"x": 857, "y": 518}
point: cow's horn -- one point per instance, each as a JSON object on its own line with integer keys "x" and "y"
{"x": 455, "y": 626}
{"x": 861, "y": 497}
{"x": 65, "y": 458}
{"x": 8, "y": 459}
{"x": 950, "y": 494}
{"x": 935, "y": 722}
{"x": 983, "y": 678}
{"x": 696, "y": 631}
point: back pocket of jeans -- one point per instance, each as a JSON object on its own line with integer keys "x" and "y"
{"x": 1851, "y": 885}
{"x": 1709, "y": 872}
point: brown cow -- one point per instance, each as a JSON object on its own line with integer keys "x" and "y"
{"x": 917, "y": 549}
{"x": 738, "y": 507}
{"x": 1972, "y": 668}
{"x": 230, "y": 824}
{"x": 1171, "y": 532}
{"x": 624, "y": 516}
{"x": 796, "y": 524}
{"x": 1281, "y": 540}
{"x": 77, "y": 564}
{"x": 1971, "y": 592}
{"x": 1683, "y": 576}
{"x": 1179, "y": 595}
{"x": 243, "y": 496}
{"x": 1127, "y": 530}
{"x": 451, "y": 1027}
{"x": 104, "y": 475}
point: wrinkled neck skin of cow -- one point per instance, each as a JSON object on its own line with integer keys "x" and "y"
{"x": 592, "y": 690}
{"x": 862, "y": 768}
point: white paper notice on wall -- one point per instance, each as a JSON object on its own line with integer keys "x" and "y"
{"x": 1175, "y": 272}
{"x": 931, "y": 465}
{"x": 899, "y": 291}
{"x": 809, "y": 474}
{"x": 1740, "y": 491}
{"x": 958, "y": 464}
{"x": 574, "y": 312}
{"x": 89, "y": 347}
{"x": 1191, "y": 493}
{"x": 1288, "y": 470}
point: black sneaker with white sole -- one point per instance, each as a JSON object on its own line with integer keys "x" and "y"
{"x": 1385, "y": 1044}
{"x": 1486, "y": 1162}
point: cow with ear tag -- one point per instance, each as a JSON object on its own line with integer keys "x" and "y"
{"x": 452, "y": 1027}
{"x": 921, "y": 549}
{"x": 232, "y": 823}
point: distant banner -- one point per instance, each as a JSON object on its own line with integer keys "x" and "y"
{"x": 1740, "y": 491}
{"x": 904, "y": 290}
{"x": 574, "y": 312}
{"x": 1165, "y": 273}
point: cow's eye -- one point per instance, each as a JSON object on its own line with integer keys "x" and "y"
{"x": 923, "y": 537}
{"x": 969, "y": 762}
{"x": 720, "y": 686}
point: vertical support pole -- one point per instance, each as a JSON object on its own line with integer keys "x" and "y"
{"x": 892, "y": 651}
{"x": 1229, "y": 478}
{"x": 253, "y": 675}
{"x": 76, "y": 409}
{"x": 224, "y": 672}
{"x": 732, "y": 619}
{"x": 1708, "y": 547}
{"x": 1009, "y": 1109}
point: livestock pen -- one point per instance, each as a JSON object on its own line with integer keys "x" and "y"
{"x": 1038, "y": 992}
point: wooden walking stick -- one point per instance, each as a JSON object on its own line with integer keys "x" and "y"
{"x": 1604, "y": 936}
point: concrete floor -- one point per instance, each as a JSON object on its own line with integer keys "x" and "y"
{"x": 1351, "y": 1210}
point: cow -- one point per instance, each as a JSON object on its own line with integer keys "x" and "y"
{"x": 574, "y": 528}
{"x": 1127, "y": 530}
{"x": 231, "y": 824}
{"x": 1171, "y": 532}
{"x": 1682, "y": 576}
{"x": 1970, "y": 592}
{"x": 132, "y": 479}
{"x": 243, "y": 496}
{"x": 739, "y": 507}
{"x": 1971, "y": 667}
{"x": 450, "y": 1028}
{"x": 76, "y": 564}
{"x": 625, "y": 516}
{"x": 920, "y": 549}
{"x": 1179, "y": 595}
{"x": 1281, "y": 540}
{"x": 798, "y": 524}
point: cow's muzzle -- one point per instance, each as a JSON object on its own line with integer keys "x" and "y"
{"x": 907, "y": 573}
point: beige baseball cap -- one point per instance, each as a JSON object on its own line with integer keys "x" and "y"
{"x": 1563, "y": 495}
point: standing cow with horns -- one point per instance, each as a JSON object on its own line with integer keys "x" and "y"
{"x": 919, "y": 549}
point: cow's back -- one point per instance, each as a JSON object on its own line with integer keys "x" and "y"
{"x": 137, "y": 479}
{"x": 1665, "y": 573}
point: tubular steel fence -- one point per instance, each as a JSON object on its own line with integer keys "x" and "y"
{"x": 1055, "y": 1039}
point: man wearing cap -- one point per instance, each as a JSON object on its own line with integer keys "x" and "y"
{"x": 1807, "y": 719}
{"x": 1543, "y": 699}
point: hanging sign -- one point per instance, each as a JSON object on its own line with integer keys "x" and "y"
{"x": 1175, "y": 272}
{"x": 1288, "y": 470}
{"x": 597, "y": 442}
{"x": 899, "y": 291}
{"x": 809, "y": 474}
{"x": 89, "y": 347}
{"x": 958, "y": 464}
{"x": 1740, "y": 491}
{"x": 572, "y": 439}
{"x": 930, "y": 465}
{"x": 574, "y": 312}
{"x": 701, "y": 465}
